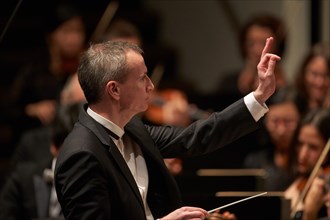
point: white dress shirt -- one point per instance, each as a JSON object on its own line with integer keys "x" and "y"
{"x": 54, "y": 205}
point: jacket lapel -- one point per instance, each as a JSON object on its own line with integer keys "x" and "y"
{"x": 114, "y": 153}
{"x": 118, "y": 158}
{"x": 163, "y": 193}
{"x": 140, "y": 135}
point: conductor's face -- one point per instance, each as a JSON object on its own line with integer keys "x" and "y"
{"x": 136, "y": 90}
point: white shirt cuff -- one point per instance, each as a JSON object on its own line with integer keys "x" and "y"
{"x": 257, "y": 111}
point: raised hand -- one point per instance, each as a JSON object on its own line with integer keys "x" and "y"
{"x": 266, "y": 76}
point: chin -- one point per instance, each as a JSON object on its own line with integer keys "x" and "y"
{"x": 306, "y": 172}
{"x": 302, "y": 170}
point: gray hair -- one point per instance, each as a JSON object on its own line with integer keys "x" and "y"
{"x": 101, "y": 63}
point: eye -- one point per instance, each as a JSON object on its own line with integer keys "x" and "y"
{"x": 314, "y": 147}
{"x": 144, "y": 77}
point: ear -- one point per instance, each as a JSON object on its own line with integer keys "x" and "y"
{"x": 113, "y": 89}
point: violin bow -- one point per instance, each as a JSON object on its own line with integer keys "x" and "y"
{"x": 311, "y": 178}
{"x": 10, "y": 19}
{"x": 105, "y": 20}
{"x": 157, "y": 74}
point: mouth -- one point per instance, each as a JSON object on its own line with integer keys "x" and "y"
{"x": 301, "y": 165}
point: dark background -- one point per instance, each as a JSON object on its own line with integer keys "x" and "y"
{"x": 25, "y": 35}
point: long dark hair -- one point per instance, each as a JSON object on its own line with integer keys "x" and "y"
{"x": 320, "y": 119}
{"x": 318, "y": 50}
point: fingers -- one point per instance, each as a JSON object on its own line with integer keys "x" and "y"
{"x": 225, "y": 216}
{"x": 266, "y": 73}
{"x": 270, "y": 57}
{"x": 268, "y": 62}
{"x": 267, "y": 50}
{"x": 195, "y": 212}
{"x": 187, "y": 212}
{"x": 194, "y": 215}
{"x": 268, "y": 46}
{"x": 315, "y": 195}
{"x": 272, "y": 62}
{"x": 228, "y": 216}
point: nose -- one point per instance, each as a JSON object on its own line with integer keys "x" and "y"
{"x": 319, "y": 81}
{"x": 150, "y": 86}
{"x": 281, "y": 129}
{"x": 303, "y": 152}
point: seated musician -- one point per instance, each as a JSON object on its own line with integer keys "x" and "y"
{"x": 311, "y": 141}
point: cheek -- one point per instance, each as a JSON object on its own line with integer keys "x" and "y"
{"x": 129, "y": 99}
{"x": 304, "y": 154}
{"x": 72, "y": 43}
{"x": 309, "y": 80}
{"x": 314, "y": 156}
{"x": 132, "y": 99}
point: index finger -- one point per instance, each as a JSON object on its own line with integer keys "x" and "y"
{"x": 268, "y": 46}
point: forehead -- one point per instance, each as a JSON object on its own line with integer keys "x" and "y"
{"x": 135, "y": 64}
{"x": 134, "y": 59}
{"x": 283, "y": 109}
{"x": 318, "y": 62}
{"x": 73, "y": 24}
{"x": 257, "y": 31}
{"x": 310, "y": 134}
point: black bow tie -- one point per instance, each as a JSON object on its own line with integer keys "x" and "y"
{"x": 112, "y": 134}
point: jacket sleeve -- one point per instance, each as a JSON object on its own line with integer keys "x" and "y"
{"x": 17, "y": 194}
{"x": 82, "y": 188}
{"x": 206, "y": 135}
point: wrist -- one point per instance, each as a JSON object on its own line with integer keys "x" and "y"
{"x": 259, "y": 97}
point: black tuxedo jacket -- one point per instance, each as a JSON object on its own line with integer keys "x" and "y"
{"x": 26, "y": 194}
{"x": 93, "y": 181}
{"x": 34, "y": 147}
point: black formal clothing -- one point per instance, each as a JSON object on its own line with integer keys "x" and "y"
{"x": 34, "y": 146}
{"x": 26, "y": 194}
{"x": 278, "y": 179}
{"x": 93, "y": 180}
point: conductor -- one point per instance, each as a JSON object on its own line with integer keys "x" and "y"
{"x": 111, "y": 165}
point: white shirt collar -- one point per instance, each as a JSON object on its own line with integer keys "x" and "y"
{"x": 106, "y": 123}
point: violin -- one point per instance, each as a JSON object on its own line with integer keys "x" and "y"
{"x": 170, "y": 106}
{"x": 303, "y": 184}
